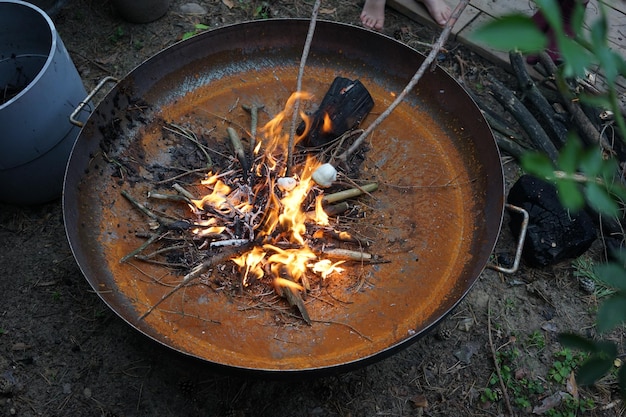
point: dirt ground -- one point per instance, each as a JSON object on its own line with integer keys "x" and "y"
{"x": 63, "y": 352}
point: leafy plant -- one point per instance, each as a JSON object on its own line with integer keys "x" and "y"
{"x": 197, "y": 28}
{"x": 117, "y": 35}
{"x": 523, "y": 391}
{"x": 536, "y": 340}
{"x": 566, "y": 361}
{"x": 582, "y": 176}
{"x": 584, "y": 267}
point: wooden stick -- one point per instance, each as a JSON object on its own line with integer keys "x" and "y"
{"x": 545, "y": 112}
{"x": 349, "y": 193}
{"x": 238, "y": 150}
{"x": 524, "y": 117}
{"x": 413, "y": 82}
{"x": 254, "y": 120}
{"x": 347, "y": 254}
{"x": 587, "y": 130}
{"x": 296, "y": 106}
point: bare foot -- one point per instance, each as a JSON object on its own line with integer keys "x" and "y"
{"x": 438, "y": 9}
{"x": 373, "y": 14}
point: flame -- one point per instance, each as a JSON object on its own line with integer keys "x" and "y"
{"x": 280, "y": 212}
{"x": 251, "y": 262}
{"x": 293, "y": 260}
{"x": 327, "y": 125}
{"x": 217, "y": 198}
{"x": 275, "y": 139}
{"x": 325, "y": 267}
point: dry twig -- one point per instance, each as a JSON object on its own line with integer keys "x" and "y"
{"x": 412, "y": 83}
{"x": 296, "y": 106}
{"x": 495, "y": 362}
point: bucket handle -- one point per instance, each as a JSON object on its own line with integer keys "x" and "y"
{"x": 82, "y": 104}
{"x": 520, "y": 242}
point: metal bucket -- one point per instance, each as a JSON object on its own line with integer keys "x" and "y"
{"x": 39, "y": 89}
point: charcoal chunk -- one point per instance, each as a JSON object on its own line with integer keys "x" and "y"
{"x": 554, "y": 233}
{"x": 346, "y": 103}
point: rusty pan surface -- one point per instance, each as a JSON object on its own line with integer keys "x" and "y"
{"x": 436, "y": 216}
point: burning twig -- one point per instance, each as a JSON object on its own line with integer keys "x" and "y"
{"x": 412, "y": 83}
{"x": 292, "y": 292}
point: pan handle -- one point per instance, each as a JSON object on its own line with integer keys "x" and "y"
{"x": 520, "y": 242}
{"x": 82, "y": 104}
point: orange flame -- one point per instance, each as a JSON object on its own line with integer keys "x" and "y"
{"x": 327, "y": 125}
{"x": 251, "y": 261}
{"x": 283, "y": 213}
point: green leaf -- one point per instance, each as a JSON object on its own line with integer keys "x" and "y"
{"x": 569, "y": 154}
{"x": 599, "y": 31}
{"x": 576, "y": 58}
{"x": 570, "y": 195}
{"x": 599, "y": 199}
{"x": 512, "y": 32}
{"x": 593, "y": 369}
{"x": 575, "y": 341}
{"x": 607, "y": 59}
{"x": 538, "y": 164}
{"x": 591, "y": 162}
{"x": 187, "y": 35}
{"x": 613, "y": 274}
{"x": 612, "y": 312}
{"x": 200, "y": 26}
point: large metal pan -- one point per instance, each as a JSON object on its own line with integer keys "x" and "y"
{"x": 436, "y": 217}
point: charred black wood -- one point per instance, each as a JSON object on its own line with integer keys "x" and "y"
{"x": 345, "y": 105}
{"x": 543, "y": 110}
{"x": 525, "y": 119}
{"x": 554, "y": 233}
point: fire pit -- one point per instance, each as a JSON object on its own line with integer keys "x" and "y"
{"x": 432, "y": 222}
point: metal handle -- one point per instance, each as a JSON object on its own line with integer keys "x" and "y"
{"x": 520, "y": 242}
{"x": 82, "y": 104}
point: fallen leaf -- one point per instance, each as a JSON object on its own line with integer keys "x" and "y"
{"x": 20, "y": 346}
{"x": 327, "y": 11}
{"x": 419, "y": 401}
{"x": 229, "y": 3}
{"x": 549, "y": 403}
{"x": 571, "y": 386}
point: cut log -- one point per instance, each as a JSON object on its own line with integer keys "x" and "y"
{"x": 544, "y": 111}
{"x": 525, "y": 119}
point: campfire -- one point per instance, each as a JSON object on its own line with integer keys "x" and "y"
{"x": 270, "y": 222}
